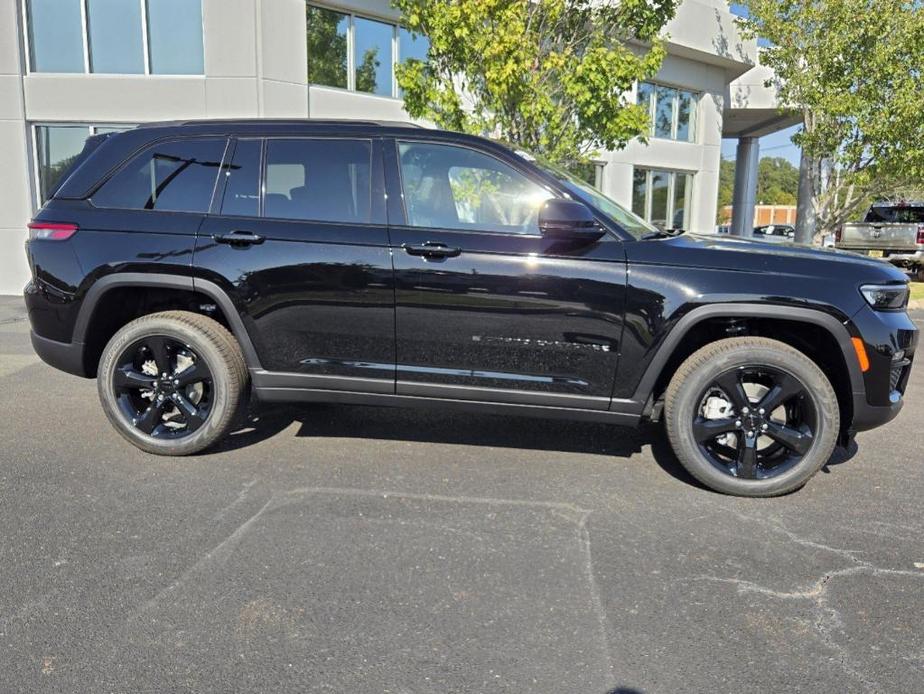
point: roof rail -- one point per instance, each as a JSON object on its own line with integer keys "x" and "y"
{"x": 283, "y": 121}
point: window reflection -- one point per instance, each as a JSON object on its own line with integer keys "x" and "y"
{"x": 662, "y": 198}
{"x": 372, "y": 56}
{"x": 451, "y": 187}
{"x": 327, "y": 47}
{"x": 672, "y": 111}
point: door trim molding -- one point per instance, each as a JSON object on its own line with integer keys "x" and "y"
{"x": 282, "y": 394}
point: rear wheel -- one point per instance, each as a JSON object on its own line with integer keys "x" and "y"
{"x": 918, "y": 273}
{"x": 751, "y": 416}
{"x": 172, "y": 383}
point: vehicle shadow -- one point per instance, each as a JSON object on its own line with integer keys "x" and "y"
{"x": 448, "y": 427}
{"x": 438, "y": 426}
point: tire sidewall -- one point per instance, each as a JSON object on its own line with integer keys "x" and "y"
{"x": 687, "y": 400}
{"x": 223, "y": 408}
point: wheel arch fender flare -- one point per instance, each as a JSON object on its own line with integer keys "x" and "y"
{"x": 168, "y": 281}
{"x": 826, "y": 321}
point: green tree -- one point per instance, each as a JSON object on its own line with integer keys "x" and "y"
{"x": 853, "y": 70}
{"x": 551, "y": 76}
{"x": 777, "y": 183}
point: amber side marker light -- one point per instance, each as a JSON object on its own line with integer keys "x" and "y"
{"x": 860, "y": 349}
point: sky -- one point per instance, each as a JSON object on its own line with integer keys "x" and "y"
{"x": 777, "y": 144}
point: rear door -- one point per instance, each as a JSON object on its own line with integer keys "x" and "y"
{"x": 486, "y": 307}
{"x": 298, "y": 241}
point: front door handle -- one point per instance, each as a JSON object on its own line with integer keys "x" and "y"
{"x": 239, "y": 238}
{"x": 431, "y": 249}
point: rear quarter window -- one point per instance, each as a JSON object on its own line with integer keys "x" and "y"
{"x": 174, "y": 175}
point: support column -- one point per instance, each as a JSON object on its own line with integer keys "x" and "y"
{"x": 747, "y": 162}
{"x": 805, "y": 207}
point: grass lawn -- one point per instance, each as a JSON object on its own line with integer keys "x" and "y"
{"x": 917, "y": 290}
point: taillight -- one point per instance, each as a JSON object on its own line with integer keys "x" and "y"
{"x": 920, "y": 239}
{"x": 51, "y": 231}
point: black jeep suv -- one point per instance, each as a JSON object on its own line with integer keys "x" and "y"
{"x": 187, "y": 266}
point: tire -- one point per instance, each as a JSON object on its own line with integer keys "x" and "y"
{"x": 918, "y": 273}
{"x": 192, "y": 409}
{"x": 742, "y": 460}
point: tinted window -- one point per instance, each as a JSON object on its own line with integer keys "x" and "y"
{"x": 327, "y": 47}
{"x": 115, "y": 36}
{"x": 175, "y": 37}
{"x": 458, "y": 188}
{"x": 178, "y": 176}
{"x": 322, "y": 180}
{"x": 55, "y": 35}
{"x": 242, "y": 191}
{"x": 901, "y": 215}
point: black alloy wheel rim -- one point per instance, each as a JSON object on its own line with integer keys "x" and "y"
{"x": 757, "y": 435}
{"x": 163, "y": 387}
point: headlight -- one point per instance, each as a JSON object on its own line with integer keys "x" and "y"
{"x": 886, "y": 297}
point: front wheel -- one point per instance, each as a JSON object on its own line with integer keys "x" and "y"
{"x": 751, "y": 416}
{"x": 172, "y": 383}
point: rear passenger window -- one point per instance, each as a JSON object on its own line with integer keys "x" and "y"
{"x": 318, "y": 179}
{"x": 178, "y": 176}
{"x": 242, "y": 192}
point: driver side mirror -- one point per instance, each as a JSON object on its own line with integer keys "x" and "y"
{"x": 568, "y": 219}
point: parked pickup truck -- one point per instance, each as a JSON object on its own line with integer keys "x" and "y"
{"x": 893, "y": 231}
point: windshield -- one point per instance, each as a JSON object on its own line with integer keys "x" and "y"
{"x": 628, "y": 221}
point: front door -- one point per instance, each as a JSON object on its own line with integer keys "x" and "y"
{"x": 300, "y": 245}
{"x": 486, "y": 307}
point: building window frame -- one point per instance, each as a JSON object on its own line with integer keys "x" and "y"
{"x": 85, "y": 39}
{"x": 695, "y": 97}
{"x": 671, "y": 188}
{"x": 351, "y": 16}
{"x": 93, "y": 128}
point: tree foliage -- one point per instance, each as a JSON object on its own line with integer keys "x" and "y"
{"x": 777, "y": 182}
{"x": 552, "y": 76}
{"x": 854, "y": 70}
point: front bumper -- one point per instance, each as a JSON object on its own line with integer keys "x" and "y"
{"x": 890, "y": 338}
{"x": 866, "y": 416}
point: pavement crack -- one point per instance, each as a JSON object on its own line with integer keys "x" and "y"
{"x": 827, "y": 619}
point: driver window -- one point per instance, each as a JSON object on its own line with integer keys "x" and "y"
{"x": 450, "y": 187}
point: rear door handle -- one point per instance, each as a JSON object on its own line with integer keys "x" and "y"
{"x": 239, "y": 238}
{"x": 431, "y": 249}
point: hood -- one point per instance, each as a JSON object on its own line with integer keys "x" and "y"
{"x": 734, "y": 253}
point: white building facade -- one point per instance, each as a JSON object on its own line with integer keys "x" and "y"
{"x": 69, "y": 68}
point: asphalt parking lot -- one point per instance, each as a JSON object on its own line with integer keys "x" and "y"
{"x": 347, "y": 549}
